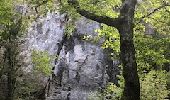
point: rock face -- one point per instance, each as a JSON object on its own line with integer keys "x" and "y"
{"x": 46, "y": 33}
{"x": 82, "y": 67}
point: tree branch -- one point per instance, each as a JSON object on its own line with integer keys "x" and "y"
{"x": 114, "y": 22}
{"x": 154, "y": 11}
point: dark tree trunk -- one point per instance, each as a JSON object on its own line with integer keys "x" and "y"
{"x": 10, "y": 74}
{"x": 127, "y": 52}
{"x": 132, "y": 86}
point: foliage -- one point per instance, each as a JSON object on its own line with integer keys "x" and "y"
{"x": 156, "y": 13}
{"x": 42, "y": 62}
{"x": 66, "y": 8}
{"x": 101, "y": 7}
{"x": 6, "y": 11}
{"x": 30, "y": 86}
{"x": 42, "y": 6}
{"x": 12, "y": 26}
{"x": 112, "y": 38}
{"x": 94, "y": 6}
{"x": 113, "y": 92}
{"x": 151, "y": 52}
{"x": 11, "y": 29}
{"x": 154, "y": 86}
{"x": 69, "y": 29}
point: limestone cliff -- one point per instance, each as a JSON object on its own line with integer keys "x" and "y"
{"x": 82, "y": 67}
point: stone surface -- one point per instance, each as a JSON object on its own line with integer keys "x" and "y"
{"x": 46, "y": 33}
{"x": 81, "y": 67}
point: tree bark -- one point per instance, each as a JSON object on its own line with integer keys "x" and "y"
{"x": 127, "y": 52}
{"x": 10, "y": 74}
{"x": 128, "y": 60}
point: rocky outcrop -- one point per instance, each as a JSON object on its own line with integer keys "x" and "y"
{"x": 82, "y": 67}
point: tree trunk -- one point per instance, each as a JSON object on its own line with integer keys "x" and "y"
{"x": 10, "y": 73}
{"x": 127, "y": 50}
{"x": 128, "y": 60}
{"x": 10, "y": 83}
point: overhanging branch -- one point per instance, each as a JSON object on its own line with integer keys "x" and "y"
{"x": 114, "y": 22}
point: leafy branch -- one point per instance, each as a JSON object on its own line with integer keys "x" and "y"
{"x": 154, "y": 11}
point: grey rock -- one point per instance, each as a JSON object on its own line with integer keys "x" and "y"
{"x": 81, "y": 68}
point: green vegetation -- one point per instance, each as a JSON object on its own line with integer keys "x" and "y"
{"x": 13, "y": 24}
{"x": 42, "y": 62}
{"x": 149, "y": 25}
